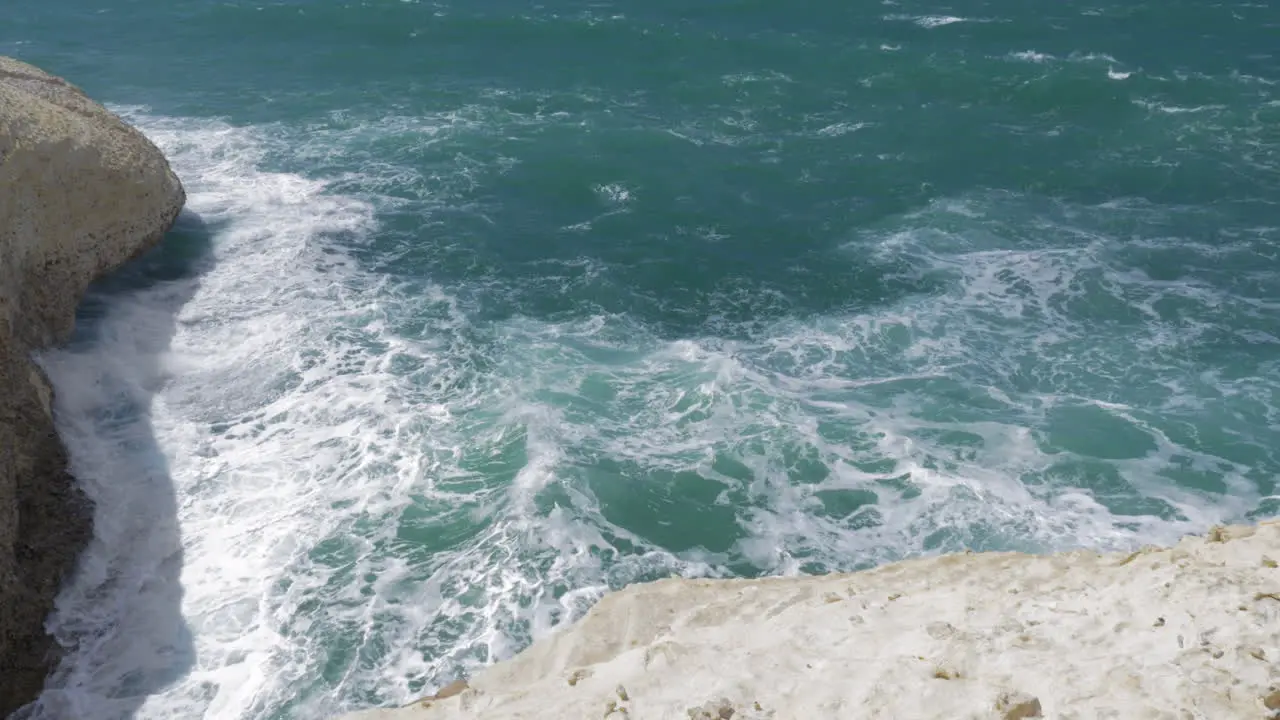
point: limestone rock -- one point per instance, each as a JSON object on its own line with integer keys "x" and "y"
{"x": 1078, "y": 639}
{"x": 1018, "y": 706}
{"x": 81, "y": 192}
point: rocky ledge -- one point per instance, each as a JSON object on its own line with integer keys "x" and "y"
{"x": 1191, "y": 631}
{"x": 81, "y": 192}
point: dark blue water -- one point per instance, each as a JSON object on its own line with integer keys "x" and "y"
{"x": 481, "y": 309}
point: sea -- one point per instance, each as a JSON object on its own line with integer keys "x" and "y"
{"x": 481, "y": 309}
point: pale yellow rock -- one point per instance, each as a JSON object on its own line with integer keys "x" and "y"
{"x": 80, "y": 193}
{"x": 1018, "y": 706}
{"x": 1080, "y": 639}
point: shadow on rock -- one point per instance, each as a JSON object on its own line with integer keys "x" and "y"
{"x": 119, "y": 618}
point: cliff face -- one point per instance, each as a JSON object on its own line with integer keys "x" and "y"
{"x": 80, "y": 193}
{"x": 1182, "y": 632}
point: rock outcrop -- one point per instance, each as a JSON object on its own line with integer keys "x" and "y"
{"x": 81, "y": 192}
{"x": 1187, "y": 631}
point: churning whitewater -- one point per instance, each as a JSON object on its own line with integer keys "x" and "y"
{"x": 481, "y": 310}
{"x": 318, "y": 488}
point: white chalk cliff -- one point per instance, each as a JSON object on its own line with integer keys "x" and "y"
{"x": 1191, "y": 631}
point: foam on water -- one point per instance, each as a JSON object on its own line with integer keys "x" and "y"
{"x": 936, "y": 21}
{"x": 233, "y": 353}
{"x": 318, "y": 490}
{"x": 1031, "y": 56}
{"x": 299, "y": 430}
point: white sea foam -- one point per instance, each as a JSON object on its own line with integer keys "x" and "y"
{"x": 235, "y": 348}
{"x": 767, "y": 76}
{"x": 936, "y": 21}
{"x": 372, "y": 494}
{"x": 282, "y": 426}
{"x": 614, "y": 193}
{"x": 841, "y": 128}
{"x": 1176, "y": 109}
{"x": 1031, "y": 56}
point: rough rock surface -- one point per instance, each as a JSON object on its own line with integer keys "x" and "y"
{"x": 1191, "y": 631}
{"x": 80, "y": 193}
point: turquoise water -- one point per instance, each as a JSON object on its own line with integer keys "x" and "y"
{"x": 482, "y": 309}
